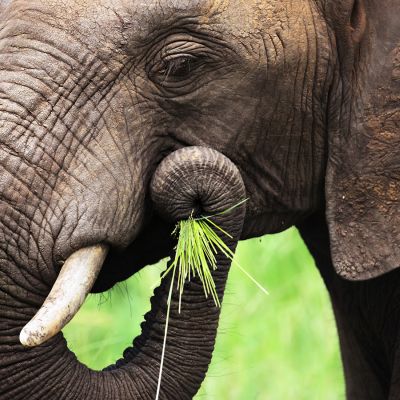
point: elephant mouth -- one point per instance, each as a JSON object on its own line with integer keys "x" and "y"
{"x": 153, "y": 243}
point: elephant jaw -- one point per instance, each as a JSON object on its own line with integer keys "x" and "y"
{"x": 70, "y": 290}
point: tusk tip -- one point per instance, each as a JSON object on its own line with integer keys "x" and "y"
{"x": 31, "y": 339}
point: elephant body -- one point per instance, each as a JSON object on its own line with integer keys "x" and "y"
{"x": 120, "y": 118}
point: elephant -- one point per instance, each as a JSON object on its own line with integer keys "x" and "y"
{"x": 120, "y": 118}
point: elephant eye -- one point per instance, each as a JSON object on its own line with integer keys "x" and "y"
{"x": 178, "y": 67}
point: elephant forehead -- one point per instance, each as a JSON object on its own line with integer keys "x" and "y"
{"x": 140, "y": 17}
{"x": 109, "y": 17}
{"x": 237, "y": 15}
{"x": 139, "y": 8}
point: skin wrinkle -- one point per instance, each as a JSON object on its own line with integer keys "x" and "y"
{"x": 12, "y": 228}
{"x": 120, "y": 147}
{"x": 20, "y": 246}
{"x": 311, "y": 91}
{"x": 44, "y": 49}
{"x": 50, "y": 373}
{"x": 290, "y": 130}
{"x": 21, "y": 213}
{"x": 39, "y": 226}
{"x": 10, "y": 290}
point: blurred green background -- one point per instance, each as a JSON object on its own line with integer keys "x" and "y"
{"x": 278, "y": 347}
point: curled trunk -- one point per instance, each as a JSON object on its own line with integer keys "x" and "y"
{"x": 191, "y": 179}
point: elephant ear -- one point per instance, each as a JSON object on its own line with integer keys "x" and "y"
{"x": 363, "y": 171}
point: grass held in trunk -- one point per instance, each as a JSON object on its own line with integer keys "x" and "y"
{"x": 198, "y": 244}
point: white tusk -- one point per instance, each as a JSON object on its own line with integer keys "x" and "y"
{"x": 76, "y": 279}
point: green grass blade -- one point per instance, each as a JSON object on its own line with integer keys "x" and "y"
{"x": 165, "y": 336}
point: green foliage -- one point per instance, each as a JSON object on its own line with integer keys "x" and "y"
{"x": 280, "y": 347}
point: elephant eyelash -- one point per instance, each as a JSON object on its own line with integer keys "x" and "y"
{"x": 178, "y": 66}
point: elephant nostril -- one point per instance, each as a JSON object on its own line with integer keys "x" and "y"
{"x": 198, "y": 210}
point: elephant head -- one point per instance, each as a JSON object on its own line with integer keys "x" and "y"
{"x": 118, "y": 118}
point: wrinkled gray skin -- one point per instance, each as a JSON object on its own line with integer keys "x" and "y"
{"x": 302, "y": 96}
